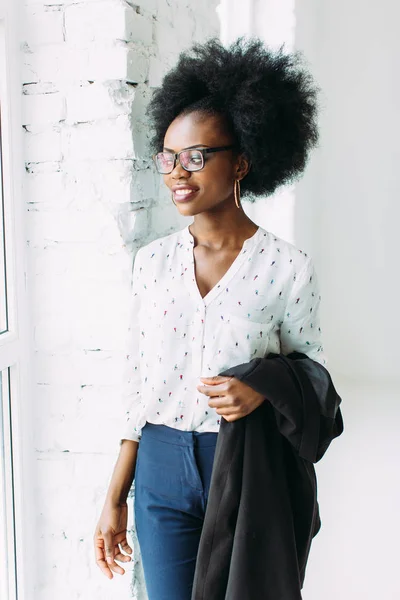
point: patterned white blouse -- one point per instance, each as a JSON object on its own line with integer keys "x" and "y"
{"x": 267, "y": 301}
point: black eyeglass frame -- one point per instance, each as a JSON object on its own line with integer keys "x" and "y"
{"x": 203, "y": 151}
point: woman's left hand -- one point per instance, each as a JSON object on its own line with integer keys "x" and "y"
{"x": 231, "y": 398}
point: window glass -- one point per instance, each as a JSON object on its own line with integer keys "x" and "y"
{"x": 3, "y": 287}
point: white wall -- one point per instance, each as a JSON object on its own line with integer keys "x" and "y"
{"x": 347, "y": 207}
{"x": 355, "y": 188}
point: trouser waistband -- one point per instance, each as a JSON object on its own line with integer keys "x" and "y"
{"x": 171, "y": 435}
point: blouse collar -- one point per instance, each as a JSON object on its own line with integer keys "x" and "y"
{"x": 247, "y": 244}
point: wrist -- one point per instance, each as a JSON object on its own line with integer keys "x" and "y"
{"x": 115, "y": 501}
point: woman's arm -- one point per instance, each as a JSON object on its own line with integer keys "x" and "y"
{"x": 123, "y": 473}
{"x": 110, "y": 533}
{"x": 132, "y": 383}
{"x": 301, "y": 330}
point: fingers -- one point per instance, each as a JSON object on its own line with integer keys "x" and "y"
{"x": 107, "y": 551}
{"x": 111, "y": 549}
{"x": 229, "y": 412}
{"x": 216, "y": 378}
{"x": 214, "y": 389}
{"x": 108, "y": 537}
{"x": 224, "y": 402}
{"x": 100, "y": 558}
{"x": 114, "y": 566}
{"x": 122, "y": 557}
{"x": 121, "y": 541}
{"x": 125, "y": 546}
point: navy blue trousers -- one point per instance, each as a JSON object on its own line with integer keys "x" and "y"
{"x": 172, "y": 480}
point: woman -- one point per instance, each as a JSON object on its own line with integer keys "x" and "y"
{"x": 228, "y": 122}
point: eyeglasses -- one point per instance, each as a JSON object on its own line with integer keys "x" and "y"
{"x": 190, "y": 160}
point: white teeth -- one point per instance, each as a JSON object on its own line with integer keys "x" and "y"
{"x": 182, "y": 192}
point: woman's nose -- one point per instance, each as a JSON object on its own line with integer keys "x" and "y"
{"x": 179, "y": 171}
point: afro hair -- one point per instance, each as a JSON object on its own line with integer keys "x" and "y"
{"x": 266, "y": 96}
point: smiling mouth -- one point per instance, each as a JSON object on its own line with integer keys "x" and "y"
{"x": 184, "y": 194}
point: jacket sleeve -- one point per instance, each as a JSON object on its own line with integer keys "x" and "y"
{"x": 300, "y": 329}
{"x": 131, "y": 387}
{"x": 302, "y": 395}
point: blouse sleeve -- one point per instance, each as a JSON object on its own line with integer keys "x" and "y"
{"x": 132, "y": 378}
{"x": 300, "y": 329}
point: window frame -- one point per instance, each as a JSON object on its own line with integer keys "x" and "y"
{"x": 18, "y": 462}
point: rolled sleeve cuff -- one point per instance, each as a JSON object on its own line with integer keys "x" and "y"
{"x": 129, "y": 434}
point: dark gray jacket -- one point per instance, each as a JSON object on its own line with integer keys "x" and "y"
{"x": 262, "y": 509}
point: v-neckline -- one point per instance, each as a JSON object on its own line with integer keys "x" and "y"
{"x": 234, "y": 267}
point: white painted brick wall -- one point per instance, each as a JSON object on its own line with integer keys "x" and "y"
{"x": 68, "y": 65}
{"x": 92, "y": 198}
{"x": 44, "y": 27}
{"x": 43, "y": 109}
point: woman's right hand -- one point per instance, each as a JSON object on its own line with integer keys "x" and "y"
{"x": 110, "y": 535}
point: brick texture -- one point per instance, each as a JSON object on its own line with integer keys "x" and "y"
{"x": 92, "y": 198}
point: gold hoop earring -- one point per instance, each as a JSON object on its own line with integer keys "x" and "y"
{"x": 236, "y": 191}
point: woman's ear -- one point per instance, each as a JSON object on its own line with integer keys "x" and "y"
{"x": 243, "y": 166}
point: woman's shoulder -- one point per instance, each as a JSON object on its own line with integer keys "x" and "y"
{"x": 287, "y": 252}
{"x": 159, "y": 247}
